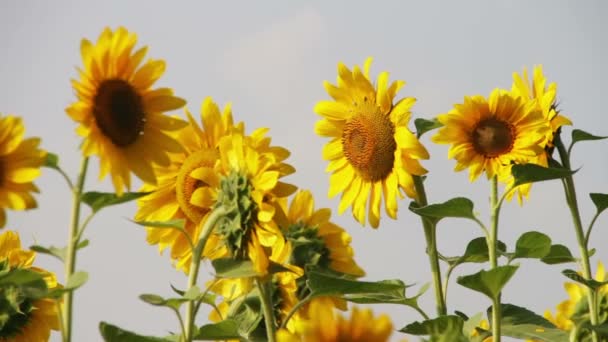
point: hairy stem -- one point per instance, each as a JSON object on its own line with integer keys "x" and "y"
{"x": 493, "y": 255}
{"x": 266, "y": 300}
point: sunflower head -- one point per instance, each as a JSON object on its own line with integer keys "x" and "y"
{"x": 23, "y": 318}
{"x": 20, "y": 162}
{"x": 120, "y": 116}
{"x": 371, "y": 152}
{"x": 491, "y": 135}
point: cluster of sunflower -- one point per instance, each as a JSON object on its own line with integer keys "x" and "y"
{"x": 213, "y": 191}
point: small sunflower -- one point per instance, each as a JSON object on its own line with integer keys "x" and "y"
{"x": 372, "y": 152}
{"x": 545, "y": 98}
{"x": 490, "y": 135}
{"x": 325, "y": 326}
{"x": 574, "y": 310}
{"x": 120, "y": 115}
{"x": 37, "y": 317}
{"x": 170, "y": 197}
{"x": 20, "y": 162}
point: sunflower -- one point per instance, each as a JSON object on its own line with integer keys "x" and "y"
{"x": 371, "y": 151}
{"x": 490, "y": 135}
{"x": 20, "y": 162}
{"x": 170, "y": 197}
{"x": 37, "y": 317}
{"x": 574, "y": 310}
{"x": 325, "y": 326}
{"x": 544, "y": 97}
{"x": 121, "y": 118}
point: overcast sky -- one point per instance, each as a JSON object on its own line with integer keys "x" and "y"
{"x": 270, "y": 59}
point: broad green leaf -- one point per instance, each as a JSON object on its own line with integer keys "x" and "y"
{"x": 76, "y": 280}
{"x": 51, "y": 161}
{"x": 558, "y": 254}
{"x": 152, "y": 299}
{"x": 522, "y": 323}
{"x": 170, "y": 224}
{"x": 99, "y": 200}
{"x": 590, "y": 283}
{"x": 231, "y": 268}
{"x": 224, "y": 330}
{"x": 444, "y": 326}
{"x": 532, "y": 245}
{"x": 424, "y": 125}
{"x": 455, "y": 207}
{"x": 580, "y": 135}
{"x": 57, "y": 252}
{"x": 112, "y": 333}
{"x": 29, "y": 282}
{"x": 488, "y": 282}
{"x": 600, "y": 201}
{"x": 530, "y": 173}
{"x": 475, "y": 252}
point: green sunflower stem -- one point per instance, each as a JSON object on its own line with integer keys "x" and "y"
{"x": 430, "y": 234}
{"x": 70, "y": 261}
{"x": 197, "y": 253}
{"x": 267, "y": 308}
{"x": 570, "y": 193}
{"x": 492, "y": 241}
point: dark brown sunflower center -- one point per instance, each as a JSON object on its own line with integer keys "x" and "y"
{"x": 119, "y": 112}
{"x": 493, "y": 137}
{"x": 186, "y": 185}
{"x": 369, "y": 145}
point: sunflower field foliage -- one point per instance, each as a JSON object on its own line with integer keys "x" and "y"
{"x": 217, "y": 194}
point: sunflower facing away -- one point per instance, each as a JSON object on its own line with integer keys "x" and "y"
{"x": 20, "y": 162}
{"x": 36, "y": 318}
{"x": 325, "y": 326}
{"x": 490, "y": 135}
{"x": 545, "y": 98}
{"x": 120, "y": 115}
{"x": 171, "y": 196}
{"x": 574, "y": 310}
{"x": 371, "y": 152}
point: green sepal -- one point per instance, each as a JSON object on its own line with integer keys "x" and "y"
{"x": 424, "y": 125}
{"x": 488, "y": 282}
{"x": 99, "y": 200}
{"x": 57, "y": 252}
{"x": 112, "y": 333}
{"x": 31, "y": 284}
{"x": 531, "y": 173}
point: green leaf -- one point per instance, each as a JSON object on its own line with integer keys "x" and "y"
{"x": 532, "y": 245}
{"x": 225, "y": 330}
{"x": 51, "y": 161}
{"x": 99, "y": 200}
{"x": 76, "y": 280}
{"x": 455, "y": 207}
{"x": 57, "y": 252}
{"x": 530, "y": 173}
{"x": 558, "y": 254}
{"x": 112, "y": 333}
{"x": 157, "y": 300}
{"x": 424, "y": 125}
{"x": 170, "y": 224}
{"x": 590, "y": 283}
{"x": 231, "y": 268}
{"x": 522, "y": 323}
{"x": 29, "y": 282}
{"x": 489, "y": 282}
{"x": 471, "y": 323}
{"x": 600, "y": 201}
{"x": 477, "y": 251}
{"x": 444, "y": 326}
{"x": 580, "y": 135}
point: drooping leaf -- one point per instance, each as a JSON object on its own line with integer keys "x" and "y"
{"x": 424, "y": 125}
{"x": 455, "y": 207}
{"x": 532, "y": 245}
{"x": 580, "y": 135}
{"x": 112, "y": 333}
{"x": 558, "y": 254}
{"x": 232, "y": 268}
{"x": 519, "y": 322}
{"x": 590, "y": 283}
{"x": 76, "y": 280}
{"x": 51, "y": 161}
{"x": 440, "y": 327}
{"x": 530, "y": 173}
{"x": 99, "y": 200}
{"x": 57, "y": 252}
{"x": 488, "y": 282}
{"x": 224, "y": 330}
{"x": 600, "y": 201}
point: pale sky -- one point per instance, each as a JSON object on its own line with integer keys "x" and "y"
{"x": 270, "y": 59}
